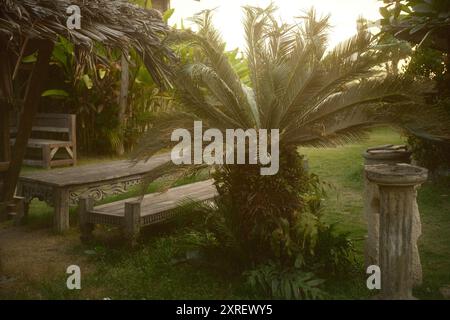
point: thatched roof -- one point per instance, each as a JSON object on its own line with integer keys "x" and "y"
{"x": 114, "y": 23}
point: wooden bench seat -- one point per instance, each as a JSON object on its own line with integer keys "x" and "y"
{"x": 40, "y": 143}
{"x": 44, "y": 129}
{"x": 135, "y": 213}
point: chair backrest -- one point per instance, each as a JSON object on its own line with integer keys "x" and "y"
{"x": 54, "y": 120}
{"x": 51, "y": 123}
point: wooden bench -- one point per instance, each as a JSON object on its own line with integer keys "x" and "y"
{"x": 50, "y": 133}
{"x": 133, "y": 214}
{"x": 63, "y": 187}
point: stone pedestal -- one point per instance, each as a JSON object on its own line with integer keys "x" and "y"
{"x": 387, "y": 154}
{"x": 398, "y": 207}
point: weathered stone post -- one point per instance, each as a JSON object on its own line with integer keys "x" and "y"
{"x": 397, "y": 187}
{"x": 387, "y": 154}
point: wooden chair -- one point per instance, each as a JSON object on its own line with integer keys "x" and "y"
{"x": 50, "y": 133}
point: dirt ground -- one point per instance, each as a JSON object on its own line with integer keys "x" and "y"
{"x": 28, "y": 257}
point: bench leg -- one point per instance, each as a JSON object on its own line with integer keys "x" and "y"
{"x": 20, "y": 211}
{"x": 15, "y": 208}
{"x": 132, "y": 222}
{"x": 25, "y": 206}
{"x": 3, "y": 211}
{"x": 74, "y": 155}
{"x": 46, "y": 157}
{"x": 61, "y": 217}
{"x": 26, "y": 209}
{"x": 86, "y": 205}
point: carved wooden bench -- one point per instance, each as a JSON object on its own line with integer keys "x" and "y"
{"x": 63, "y": 187}
{"x": 133, "y": 214}
{"x": 62, "y": 130}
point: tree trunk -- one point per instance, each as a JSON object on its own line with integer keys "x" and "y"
{"x": 123, "y": 101}
{"x": 34, "y": 91}
{"x": 5, "y": 101}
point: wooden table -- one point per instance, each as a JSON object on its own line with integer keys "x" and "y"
{"x": 61, "y": 188}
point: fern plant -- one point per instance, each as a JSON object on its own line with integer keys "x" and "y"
{"x": 279, "y": 283}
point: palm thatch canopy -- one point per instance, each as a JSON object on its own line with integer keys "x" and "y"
{"x": 117, "y": 24}
{"x": 28, "y": 26}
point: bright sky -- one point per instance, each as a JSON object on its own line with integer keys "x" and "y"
{"x": 229, "y": 16}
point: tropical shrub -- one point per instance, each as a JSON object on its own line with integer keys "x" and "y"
{"x": 425, "y": 23}
{"x": 278, "y": 283}
{"x": 293, "y": 254}
{"x": 430, "y": 153}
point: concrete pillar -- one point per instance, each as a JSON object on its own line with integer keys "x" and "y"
{"x": 387, "y": 154}
{"x": 397, "y": 206}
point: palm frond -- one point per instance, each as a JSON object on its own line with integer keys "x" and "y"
{"x": 194, "y": 99}
{"x": 368, "y": 92}
{"x": 158, "y": 137}
{"x": 207, "y": 76}
{"x": 209, "y": 41}
{"x": 312, "y": 97}
{"x": 256, "y": 24}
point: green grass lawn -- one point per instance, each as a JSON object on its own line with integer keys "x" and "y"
{"x": 150, "y": 272}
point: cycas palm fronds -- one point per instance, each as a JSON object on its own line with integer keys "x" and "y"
{"x": 312, "y": 95}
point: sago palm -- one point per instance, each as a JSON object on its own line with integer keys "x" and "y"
{"x": 314, "y": 96}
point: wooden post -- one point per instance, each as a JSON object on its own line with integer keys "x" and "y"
{"x": 25, "y": 204}
{"x": 19, "y": 210}
{"x": 5, "y": 98}
{"x": 61, "y": 218}
{"x": 46, "y": 157}
{"x": 132, "y": 221}
{"x": 86, "y": 205}
{"x": 6, "y": 87}
{"x": 3, "y": 211}
{"x": 5, "y": 154}
{"x": 35, "y": 87}
{"x": 73, "y": 137}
